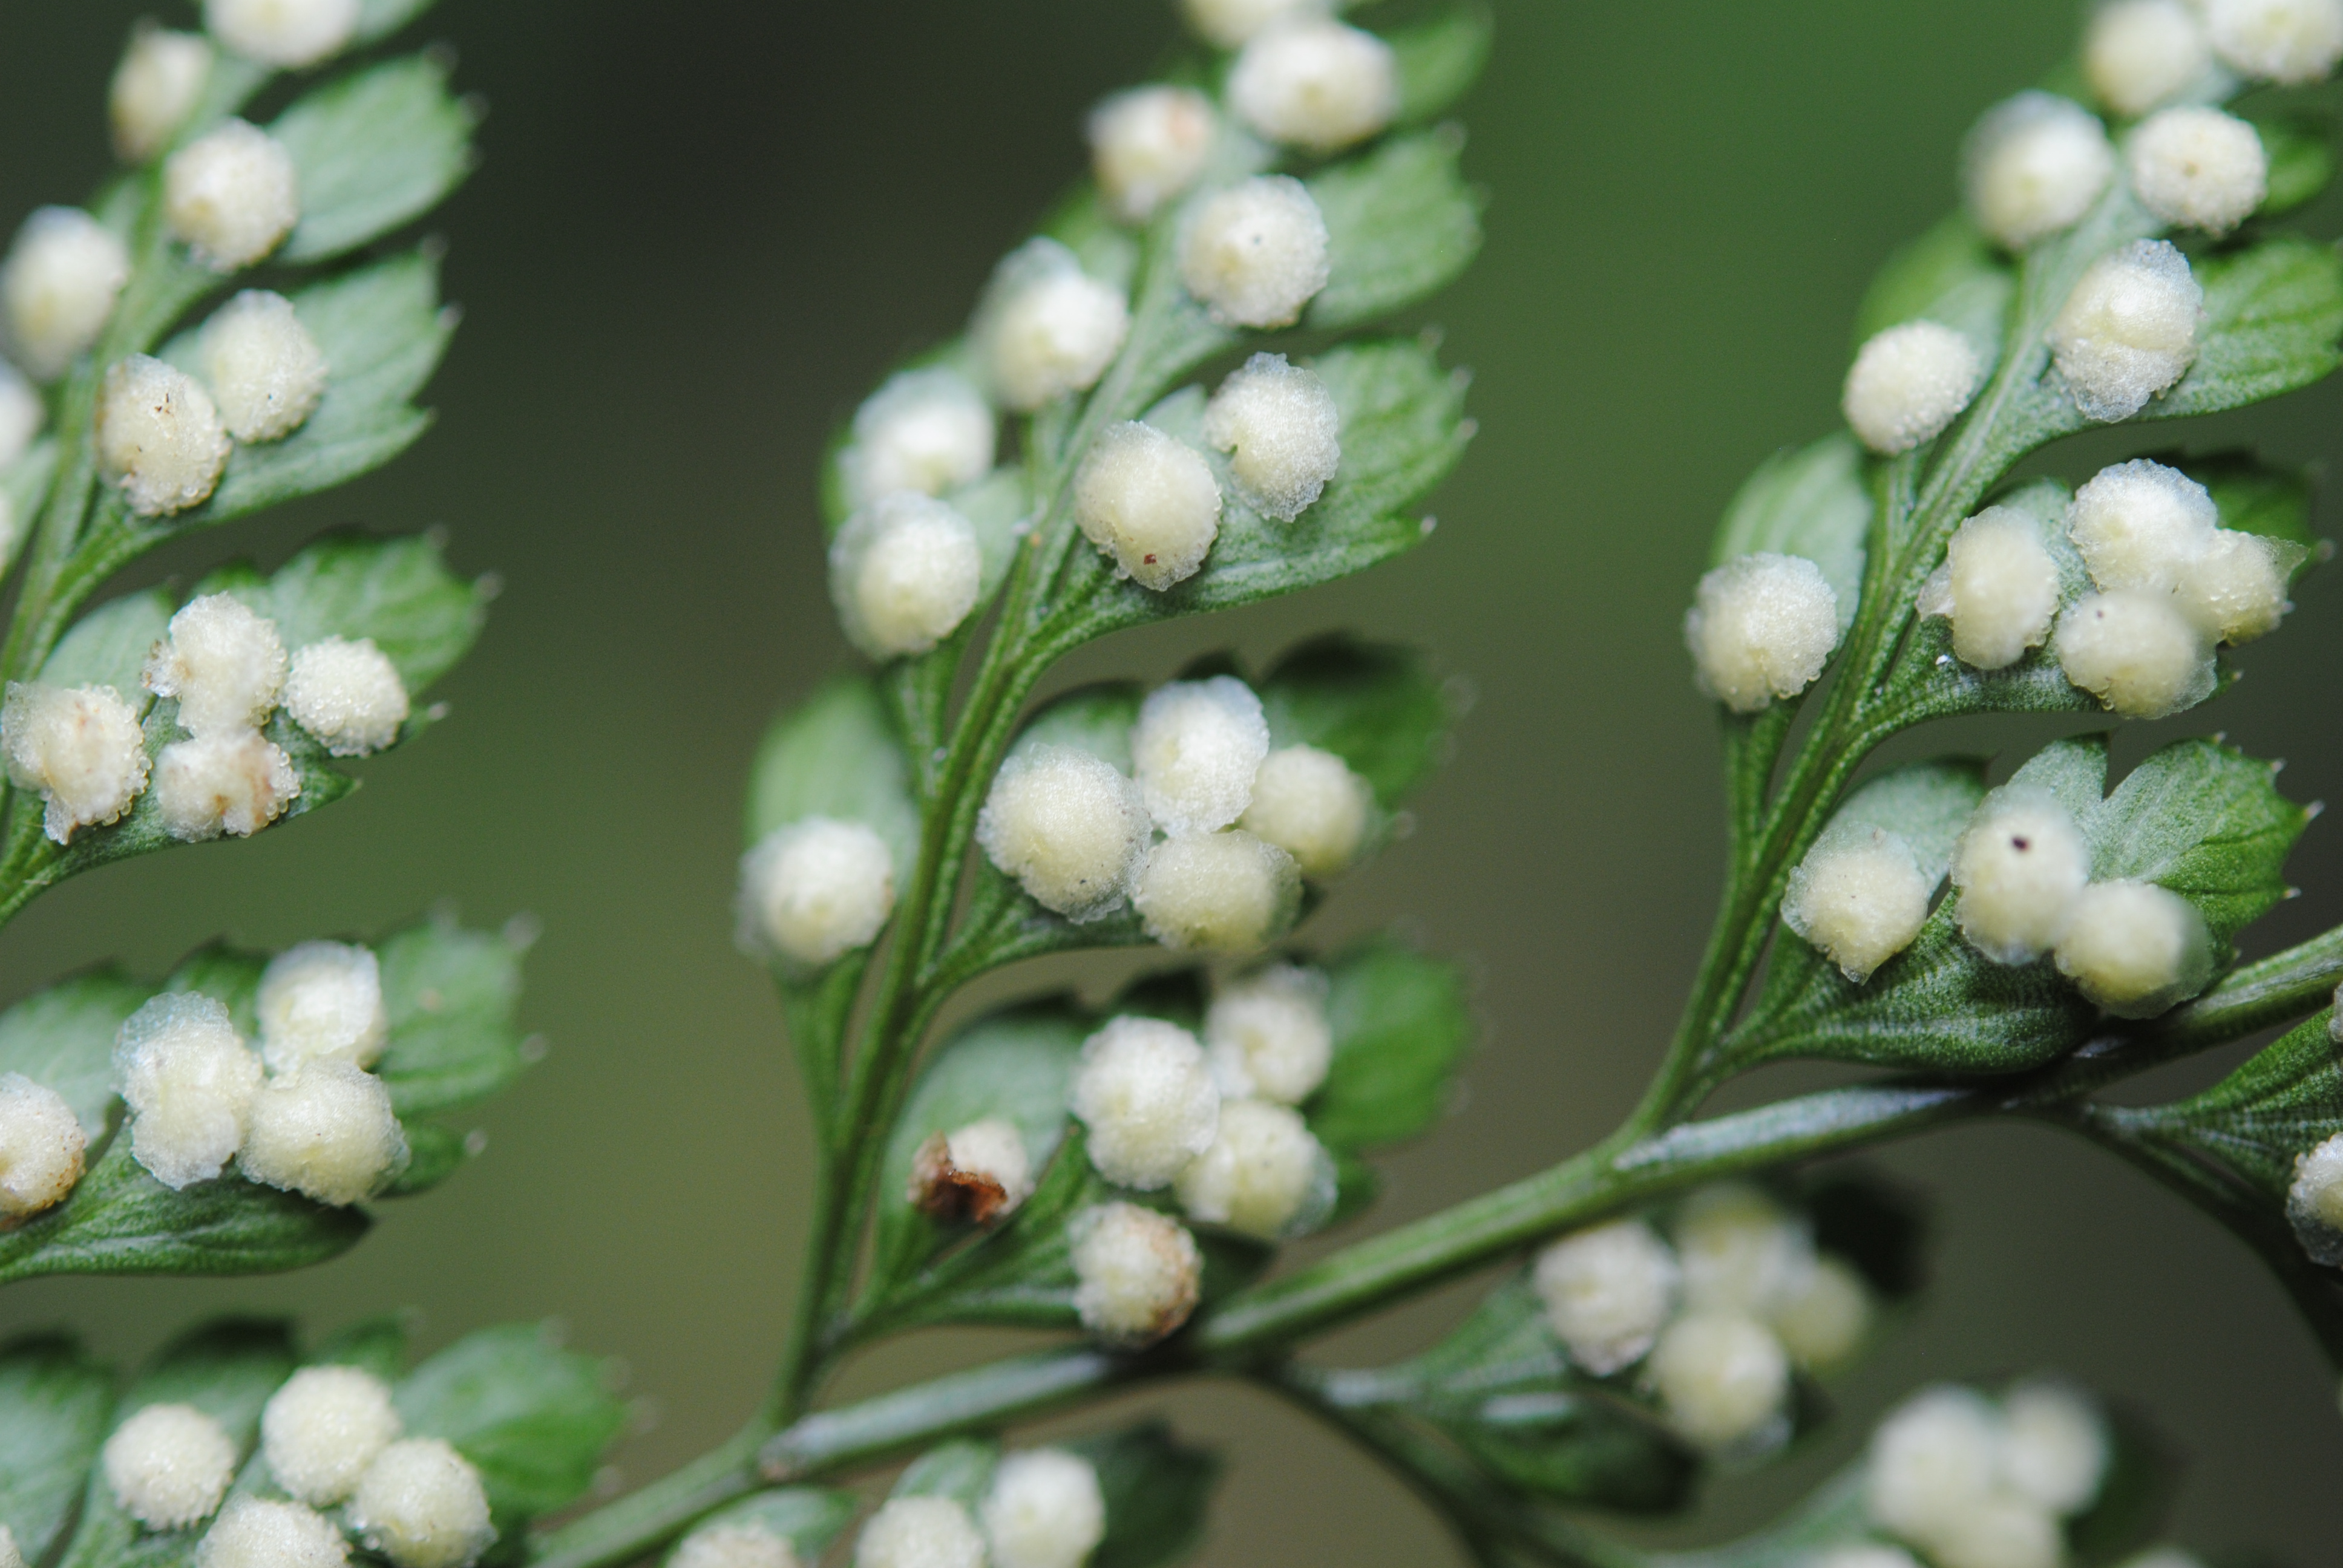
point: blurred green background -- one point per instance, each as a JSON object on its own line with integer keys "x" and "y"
{"x": 702, "y": 231}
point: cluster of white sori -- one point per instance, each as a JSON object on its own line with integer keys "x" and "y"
{"x": 1762, "y": 626}
{"x": 87, "y": 752}
{"x": 1719, "y": 1313}
{"x": 1972, "y": 1482}
{"x": 1044, "y": 1509}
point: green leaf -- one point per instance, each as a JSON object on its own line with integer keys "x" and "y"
{"x": 379, "y": 19}
{"x": 2255, "y": 497}
{"x": 397, "y": 591}
{"x": 1877, "y": 1225}
{"x": 434, "y": 1154}
{"x": 2205, "y": 821}
{"x": 2134, "y": 1499}
{"x": 1811, "y": 503}
{"x": 62, "y": 1039}
{"x": 2273, "y": 314}
{"x": 372, "y": 150}
{"x": 108, "y": 647}
{"x": 1440, "y": 58}
{"x": 54, "y": 1404}
{"x": 1927, "y": 804}
{"x": 2283, "y": 1101}
{"x": 24, "y": 487}
{"x": 230, "y": 977}
{"x": 451, "y": 996}
{"x": 1158, "y": 1492}
{"x": 377, "y": 1345}
{"x": 836, "y": 755}
{"x": 808, "y": 1518}
{"x": 1095, "y": 718}
{"x": 1951, "y": 275}
{"x": 1401, "y": 225}
{"x": 1376, "y": 705}
{"x": 534, "y": 1418}
{"x": 226, "y": 1369}
{"x": 2301, "y": 161}
{"x": 1400, "y": 1027}
{"x": 960, "y": 1470}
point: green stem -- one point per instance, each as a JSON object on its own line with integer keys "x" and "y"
{"x": 622, "y": 1530}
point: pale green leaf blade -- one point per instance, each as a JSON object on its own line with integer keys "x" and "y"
{"x": 372, "y": 150}
{"x": 1811, "y": 503}
{"x": 1951, "y": 275}
{"x": 2273, "y": 315}
{"x": 1158, "y": 1492}
{"x": 379, "y": 19}
{"x": 2301, "y": 161}
{"x": 1439, "y": 60}
{"x": 1402, "y": 1027}
{"x": 230, "y": 977}
{"x": 2255, "y": 497}
{"x": 1926, "y": 804}
{"x": 2282, "y": 1102}
{"x": 808, "y": 1518}
{"x": 452, "y": 996}
{"x": 1096, "y": 718}
{"x": 535, "y": 1419}
{"x": 1401, "y": 225}
{"x": 1376, "y": 705}
{"x": 62, "y": 1039}
{"x": 54, "y": 1405}
{"x": 2205, "y": 821}
{"x": 397, "y": 592}
{"x": 836, "y": 755}
{"x": 960, "y": 1470}
{"x": 108, "y": 647}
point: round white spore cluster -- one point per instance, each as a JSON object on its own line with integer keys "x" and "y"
{"x": 2237, "y": 591}
{"x": 1908, "y": 383}
{"x": 1761, "y": 627}
{"x": 920, "y": 1533}
{"x": 1149, "y": 500}
{"x": 257, "y": 1532}
{"x": 1195, "y": 749}
{"x": 2199, "y": 168}
{"x": 2141, "y": 525}
{"x": 224, "y": 663}
{"x": 904, "y": 572}
{"x": 189, "y": 1083}
{"x": 1068, "y": 827}
{"x": 22, "y": 414}
{"x": 2019, "y": 868}
{"x": 41, "y": 1147}
{"x": 1145, "y": 1091}
{"x": 2136, "y": 949}
{"x": 744, "y": 1543}
{"x": 322, "y": 1001}
{"x": 815, "y": 890}
{"x": 159, "y": 436}
{"x": 2130, "y": 329}
{"x": 1269, "y": 1036}
{"x": 1859, "y": 898}
{"x": 2053, "y": 1445}
{"x": 1866, "y": 1556}
{"x": 1608, "y": 1291}
{"x": 1741, "y": 1251}
{"x": 1266, "y": 1174}
{"x": 1255, "y": 255}
{"x": 1279, "y": 425}
{"x": 980, "y": 1172}
{"x": 348, "y": 695}
{"x": 2140, "y": 52}
{"x": 235, "y": 784}
{"x": 231, "y": 194}
{"x": 1148, "y": 144}
{"x": 1938, "y": 1455}
{"x": 2136, "y": 652}
{"x": 925, "y": 431}
{"x": 1312, "y": 83}
{"x": 1046, "y": 328}
{"x": 421, "y": 1504}
{"x": 1138, "y": 1274}
{"x": 287, "y": 32}
{"x": 10, "y": 1555}
{"x": 168, "y": 1465}
{"x": 81, "y": 748}
{"x": 1230, "y": 24}
{"x": 1823, "y": 1324}
{"x": 1724, "y": 1378}
{"x": 1976, "y": 1486}
{"x": 1308, "y": 803}
{"x": 264, "y": 370}
{"x": 323, "y": 1428}
{"x": 2314, "y": 1202}
{"x": 325, "y": 1129}
{"x": 155, "y": 87}
{"x": 1218, "y": 892}
{"x": 1999, "y": 587}
{"x": 2034, "y": 163}
{"x": 1044, "y": 1509}
{"x": 2277, "y": 40}
{"x": 65, "y": 272}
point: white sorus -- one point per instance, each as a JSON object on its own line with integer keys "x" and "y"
{"x": 2236, "y": 591}
{"x": 920, "y": 1533}
{"x": 21, "y": 414}
{"x": 257, "y": 1532}
{"x": 215, "y": 784}
{"x": 1935, "y": 1459}
{"x": 1149, "y": 500}
{"x": 2139, "y": 53}
{"x": 81, "y": 748}
{"x": 1217, "y": 892}
{"x": 1312, "y": 83}
{"x": 2199, "y": 168}
{"x": 189, "y": 1083}
{"x": 977, "y": 1174}
{"x": 1761, "y": 627}
{"x": 1908, "y": 383}
{"x": 41, "y": 1147}
{"x": 63, "y": 274}
{"x": 1858, "y": 899}
{"x": 925, "y": 431}
{"x": 325, "y": 1130}
{"x": 2053, "y": 1445}
{"x": 2279, "y": 40}
{"x": 1607, "y": 1293}
{"x": 1867, "y": 1555}
{"x": 1195, "y": 749}
{"x": 155, "y": 87}
{"x": 168, "y": 1465}
{"x": 1311, "y": 805}
{"x": 1266, "y": 1174}
{"x": 322, "y": 1000}
{"x": 904, "y": 573}
{"x": 322, "y": 1429}
{"x": 290, "y": 32}
{"x": 10, "y": 1555}
{"x": 348, "y": 695}
{"x": 2136, "y": 652}
{"x": 421, "y": 1504}
{"x": 2130, "y": 329}
{"x": 2034, "y": 163}
{"x": 1231, "y": 23}
{"x": 1724, "y": 1378}
{"x": 1999, "y": 587}
{"x": 745, "y": 1545}
{"x": 1741, "y": 1251}
{"x": 223, "y": 663}
{"x": 1044, "y": 1509}
{"x": 1145, "y": 1091}
{"x": 2002, "y": 1530}
{"x": 1148, "y": 144}
{"x": 1255, "y": 254}
{"x": 159, "y": 436}
{"x": 2141, "y": 525}
{"x": 1823, "y": 1324}
{"x": 1269, "y": 1036}
{"x": 1068, "y": 826}
{"x": 231, "y": 194}
{"x": 1282, "y": 433}
{"x": 264, "y": 370}
{"x": 2019, "y": 868}
{"x": 2136, "y": 949}
{"x": 2314, "y": 1202}
{"x": 816, "y": 888}
{"x": 1046, "y": 327}
{"x": 1137, "y": 1273}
